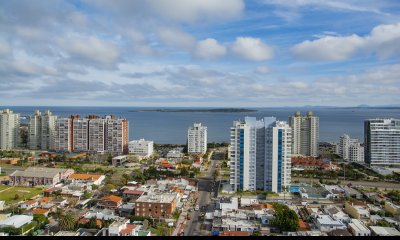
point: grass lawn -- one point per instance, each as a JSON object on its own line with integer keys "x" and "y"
{"x": 23, "y": 192}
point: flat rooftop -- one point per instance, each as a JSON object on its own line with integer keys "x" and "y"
{"x": 39, "y": 172}
{"x": 157, "y": 198}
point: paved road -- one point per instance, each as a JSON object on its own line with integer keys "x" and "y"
{"x": 206, "y": 188}
{"x": 354, "y": 183}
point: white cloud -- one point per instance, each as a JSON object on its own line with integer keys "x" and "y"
{"x": 209, "y": 49}
{"x": 194, "y": 10}
{"x": 175, "y": 10}
{"x": 4, "y": 48}
{"x": 382, "y": 40}
{"x": 262, "y": 70}
{"x": 91, "y": 48}
{"x": 252, "y": 49}
{"x": 176, "y": 38}
{"x": 329, "y": 48}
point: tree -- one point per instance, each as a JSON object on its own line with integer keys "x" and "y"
{"x": 176, "y": 214}
{"x": 67, "y": 222}
{"x": 138, "y": 176}
{"x": 92, "y": 224}
{"x": 125, "y": 178}
{"x": 87, "y": 194}
{"x": 16, "y": 197}
{"x": 109, "y": 158}
{"x": 285, "y": 218}
{"x": 184, "y": 172}
{"x": 383, "y": 223}
{"x": 40, "y": 219}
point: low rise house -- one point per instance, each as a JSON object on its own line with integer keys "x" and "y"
{"x": 16, "y": 221}
{"x": 88, "y": 179}
{"x": 132, "y": 195}
{"x": 357, "y": 210}
{"x": 123, "y": 227}
{"x": 351, "y": 192}
{"x": 339, "y": 233}
{"x": 337, "y": 214}
{"x": 326, "y": 223}
{"x": 41, "y": 211}
{"x": 357, "y": 228}
{"x": 392, "y": 208}
{"x": 34, "y": 176}
{"x": 384, "y": 231}
{"x": 110, "y": 201}
{"x": 29, "y": 204}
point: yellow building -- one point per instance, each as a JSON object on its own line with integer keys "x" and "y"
{"x": 392, "y": 208}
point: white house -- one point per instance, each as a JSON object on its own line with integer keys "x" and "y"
{"x": 16, "y": 221}
{"x": 357, "y": 228}
{"x": 326, "y": 223}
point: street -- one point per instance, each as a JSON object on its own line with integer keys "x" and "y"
{"x": 206, "y": 188}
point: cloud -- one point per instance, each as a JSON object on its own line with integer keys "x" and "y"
{"x": 383, "y": 40}
{"x": 5, "y": 48}
{"x": 262, "y": 70}
{"x": 175, "y": 10}
{"x": 90, "y": 49}
{"x": 176, "y": 38}
{"x": 209, "y": 49}
{"x": 251, "y": 49}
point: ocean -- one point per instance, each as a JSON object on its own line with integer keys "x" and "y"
{"x": 171, "y": 127}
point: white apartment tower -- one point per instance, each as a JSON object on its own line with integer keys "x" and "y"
{"x": 9, "y": 130}
{"x": 117, "y": 131}
{"x": 80, "y": 134}
{"x": 260, "y": 155}
{"x": 97, "y": 134}
{"x": 63, "y": 135}
{"x": 42, "y": 130}
{"x": 305, "y": 134}
{"x": 197, "y": 138}
{"x": 141, "y": 147}
{"x": 382, "y": 142}
{"x": 350, "y": 149}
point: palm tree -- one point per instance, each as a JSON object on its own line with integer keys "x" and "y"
{"x": 67, "y": 222}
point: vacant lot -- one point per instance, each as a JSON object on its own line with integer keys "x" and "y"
{"x": 8, "y": 193}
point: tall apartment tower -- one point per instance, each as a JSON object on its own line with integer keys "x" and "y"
{"x": 97, "y": 134}
{"x": 260, "y": 155}
{"x": 197, "y": 138}
{"x": 117, "y": 131}
{"x": 42, "y": 130}
{"x": 382, "y": 142}
{"x": 9, "y": 130}
{"x": 350, "y": 149}
{"x": 305, "y": 134}
{"x": 63, "y": 135}
{"x": 80, "y": 134}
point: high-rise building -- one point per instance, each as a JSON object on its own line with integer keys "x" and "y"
{"x": 97, "y": 134}
{"x": 305, "y": 134}
{"x": 197, "y": 138}
{"x": 141, "y": 147}
{"x": 117, "y": 131}
{"x": 350, "y": 149}
{"x": 92, "y": 134}
{"x": 80, "y": 134}
{"x": 382, "y": 142}
{"x": 9, "y": 130}
{"x": 42, "y": 130}
{"x": 63, "y": 135}
{"x": 260, "y": 155}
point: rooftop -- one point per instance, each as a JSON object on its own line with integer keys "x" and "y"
{"x": 39, "y": 172}
{"x": 80, "y": 176}
{"x": 328, "y": 220}
{"x": 111, "y": 198}
{"x": 160, "y": 198}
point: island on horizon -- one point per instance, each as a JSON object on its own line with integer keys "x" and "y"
{"x": 197, "y": 110}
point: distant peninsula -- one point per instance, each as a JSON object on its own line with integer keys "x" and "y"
{"x": 197, "y": 110}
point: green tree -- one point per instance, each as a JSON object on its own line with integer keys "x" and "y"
{"x": 67, "y": 222}
{"x": 139, "y": 176}
{"x": 87, "y": 194}
{"x": 176, "y": 214}
{"x": 184, "y": 172}
{"x": 109, "y": 158}
{"x": 383, "y": 223}
{"x": 285, "y": 218}
{"x": 40, "y": 219}
{"x": 92, "y": 223}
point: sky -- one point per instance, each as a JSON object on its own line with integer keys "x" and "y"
{"x": 199, "y": 53}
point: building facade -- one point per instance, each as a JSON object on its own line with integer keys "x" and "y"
{"x": 39, "y": 176}
{"x": 157, "y": 206}
{"x": 197, "y": 138}
{"x": 9, "y": 129}
{"x": 91, "y": 134}
{"x": 63, "y": 135}
{"x": 42, "y": 130}
{"x": 382, "y": 142}
{"x": 305, "y": 134}
{"x": 350, "y": 149}
{"x": 260, "y": 155}
{"x": 141, "y": 147}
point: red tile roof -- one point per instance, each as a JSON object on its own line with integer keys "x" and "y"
{"x": 128, "y": 229}
{"x": 133, "y": 192}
